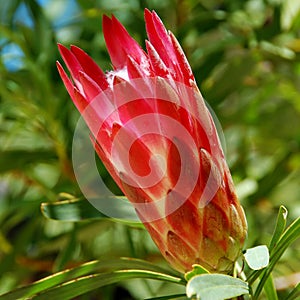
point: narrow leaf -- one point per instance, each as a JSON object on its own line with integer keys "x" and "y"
{"x": 83, "y": 270}
{"x": 280, "y": 51}
{"x": 75, "y": 210}
{"x": 216, "y": 286}
{"x": 71, "y": 210}
{"x": 18, "y": 159}
{"x": 169, "y": 297}
{"x": 290, "y": 235}
{"x": 294, "y": 294}
{"x": 82, "y": 285}
{"x": 278, "y": 231}
{"x": 280, "y": 226}
{"x": 270, "y": 290}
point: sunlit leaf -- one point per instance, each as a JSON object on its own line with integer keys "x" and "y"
{"x": 283, "y": 52}
{"x": 258, "y": 257}
{"x": 290, "y": 11}
{"x": 85, "y": 284}
{"x": 216, "y": 286}
{"x": 169, "y": 297}
{"x": 197, "y": 270}
{"x": 70, "y": 276}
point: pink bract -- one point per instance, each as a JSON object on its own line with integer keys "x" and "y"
{"x": 153, "y": 132}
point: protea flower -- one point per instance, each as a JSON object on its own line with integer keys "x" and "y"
{"x": 153, "y": 132}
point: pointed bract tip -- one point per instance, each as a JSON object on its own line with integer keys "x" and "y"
{"x": 147, "y": 11}
{"x": 60, "y": 68}
{"x": 64, "y": 52}
{"x": 106, "y": 22}
{"x": 147, "y": 15}
{"x": 75, "y": 48}
{"x": 62, "y": 48}
{"x": 58, "y": 64}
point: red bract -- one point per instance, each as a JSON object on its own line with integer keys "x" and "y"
{"x": 153, "y": 132}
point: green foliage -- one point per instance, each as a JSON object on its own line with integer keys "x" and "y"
{"x": 257, "y": 257}
{"x": 283, "y": 241}
{"x": 216, "y": 286}
{"x": 77, "y": 281}
{"x": 245, "y": 57}
{"x": 76, "y": 210}
{"x": 197, "y": 270}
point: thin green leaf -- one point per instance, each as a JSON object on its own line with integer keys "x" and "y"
{"x": 278, "y": 231}
{"x": 177, "y": 296}
{"x": 216, "y": 286}
{"x": 75, "y": 210}
{"x": 83, "y": 270}
{"x": 18, "y": 159}
{"x": 14, "y": 37}
{"x": 270, "y": 290}
{"x": 257, "y": 257}
{"x": 283, "y": 52}
{"x": 290, "y": 12}
{"x": 67, "y": 252}
{"x": 290, "y": 235}
{"x": 197, "y": 270}
{"x": 71, "y": 210}
{"x": 85, "y": 284}
{"x": 294, "y": 294}
{"x": 280, "y": 226}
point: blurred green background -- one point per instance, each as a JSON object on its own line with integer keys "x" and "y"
{"x": 246, "y": 58}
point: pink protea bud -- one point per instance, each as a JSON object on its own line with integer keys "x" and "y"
{"x": 153, "y": 132}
